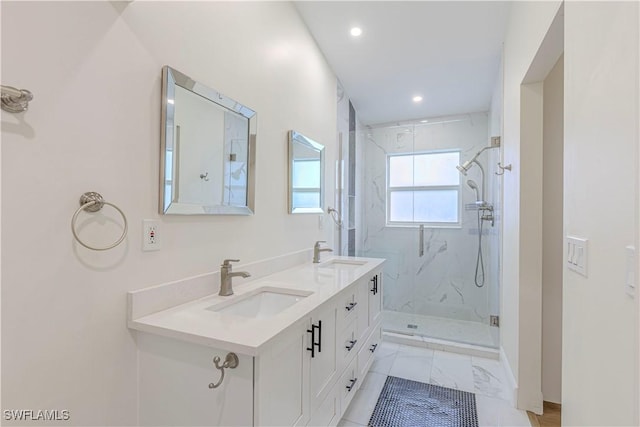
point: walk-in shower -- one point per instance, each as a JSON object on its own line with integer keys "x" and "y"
{"x": 434, "y": 226}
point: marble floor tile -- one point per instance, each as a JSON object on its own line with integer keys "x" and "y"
{"x": 347, "y": 423}
{"x": 384, "y": 356}
{"x": 360, "y": 408}
{"x": 412, "y": 363}
{"x": 489, "y": 378}
{"x": 452, "y": 370}
{"x": 494, "y": 412}
{"x": 478, "y": 375}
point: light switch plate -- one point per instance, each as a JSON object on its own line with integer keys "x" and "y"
{"x": 577, "y": 254}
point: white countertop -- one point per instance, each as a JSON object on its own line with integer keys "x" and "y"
{"x": 192, "y": 321}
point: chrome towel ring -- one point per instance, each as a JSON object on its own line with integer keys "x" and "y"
{"x": 93, "y": 202}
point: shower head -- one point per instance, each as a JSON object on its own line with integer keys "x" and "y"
{"x": 465, "y": 167}
{"x": 472, "y": 184}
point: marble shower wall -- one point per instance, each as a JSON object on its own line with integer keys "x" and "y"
{"x": 440, "y": 283}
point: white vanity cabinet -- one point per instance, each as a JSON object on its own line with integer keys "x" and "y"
{"x": 305, "y": 375}
{"x": 173, "y": 388}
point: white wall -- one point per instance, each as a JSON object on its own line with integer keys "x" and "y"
{"x": 528, "y": 24}
{"x": 94, "y": 124}
{"x": 600, "y": 330}
{"x": 552, "y": 240}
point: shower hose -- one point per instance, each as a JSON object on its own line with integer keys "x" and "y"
{"x": 479, "y": 276}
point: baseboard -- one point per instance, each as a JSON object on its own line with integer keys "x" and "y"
{"x": 511, "y": 379}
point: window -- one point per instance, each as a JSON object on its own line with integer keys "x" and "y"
{"x": 423, "y": 188}
{"x": 306, "y": 183}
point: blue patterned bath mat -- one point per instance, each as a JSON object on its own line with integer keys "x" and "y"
{"x": 406, "y": 403}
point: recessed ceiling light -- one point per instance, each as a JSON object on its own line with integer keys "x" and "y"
{"x": 356, "y": 31}
{"x": 417, "y": 98}
{"x": 424, "y": 121}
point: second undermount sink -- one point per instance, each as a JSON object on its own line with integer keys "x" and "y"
{"x": 261, "y": 303}
{"x": 342, "y": 264}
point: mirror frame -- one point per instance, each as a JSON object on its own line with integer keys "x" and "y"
{"x": 301, "y": 139}
{"x": 170, "y": 79}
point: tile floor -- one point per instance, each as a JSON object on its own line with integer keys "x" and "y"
{"x": 478, "y": 375}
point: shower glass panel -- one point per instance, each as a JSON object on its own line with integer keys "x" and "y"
{"x": 410, "y": 180}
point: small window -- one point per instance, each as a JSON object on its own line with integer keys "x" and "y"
{"x": 306, "y": 183}
{"x": 423, "y": 188}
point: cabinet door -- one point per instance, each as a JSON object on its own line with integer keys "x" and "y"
{"x": 368, "y": 351}
{"x": 362, "y": 297}
{"x": 375, "y": 298}
{"x": 323, "y": 361}
{"x": 282, "y": 381}
{"x": 174, "y": 378}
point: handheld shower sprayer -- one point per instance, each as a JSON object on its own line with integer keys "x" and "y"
{"x": 472, "y": 184}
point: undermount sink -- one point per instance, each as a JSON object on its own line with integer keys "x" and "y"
{"x": 342, "y": 264}
{"x": 261, "y": 303}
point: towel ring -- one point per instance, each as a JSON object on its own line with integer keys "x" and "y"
{"x": 93, "y": 202}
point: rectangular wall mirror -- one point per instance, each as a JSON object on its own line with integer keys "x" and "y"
{"x": 306, "y": 174}
{"x": 207, "y": 159}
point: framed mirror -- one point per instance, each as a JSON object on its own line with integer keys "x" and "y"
{"x": 207, "y": 158}
{"x": 306, "y": 174}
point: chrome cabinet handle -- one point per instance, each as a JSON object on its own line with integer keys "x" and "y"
{"x": 230, "y": 362}
{"x": 353, "y": 383}
{"x": 352, "y": 344}
{"x": 373, "y": 348}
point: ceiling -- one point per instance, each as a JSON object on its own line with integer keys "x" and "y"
{"x": 446, "y": 51}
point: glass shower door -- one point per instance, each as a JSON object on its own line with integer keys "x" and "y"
{"x": 397, "y": 244}
{"x": 418, "y": 213}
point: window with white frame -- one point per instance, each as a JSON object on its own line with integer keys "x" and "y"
{"x": 306, "y": 183}
{"x": 423, "y": 188}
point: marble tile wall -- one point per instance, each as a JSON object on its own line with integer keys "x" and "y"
{"x": 440, "y": 283}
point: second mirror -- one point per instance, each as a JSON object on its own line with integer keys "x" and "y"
{"x": 306, "y": 174}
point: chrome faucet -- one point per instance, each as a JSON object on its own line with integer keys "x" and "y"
{"x": 317, "y": 250}
{"x": 226, "y": 287}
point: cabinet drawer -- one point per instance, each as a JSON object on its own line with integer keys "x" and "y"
{"x": 348, "y": 384}
{"x": 368, "y": 350}
{"x": 348, "y": 345}
{"x": 348, "y": 306}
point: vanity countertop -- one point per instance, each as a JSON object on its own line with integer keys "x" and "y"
{"x": 193, "y": 322}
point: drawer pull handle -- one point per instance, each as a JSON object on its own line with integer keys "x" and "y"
{"x": 312, "y": 331}
{"x": 353, "y": 383}
{"x": 374, "y": 288}
{"x": 351, "y": 306}
{"x": 352, "y": 344}
{"x": 373, "y": 348}
{"x": 230, "y": 362}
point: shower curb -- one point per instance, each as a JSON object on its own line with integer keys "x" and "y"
{"x": 443, "y": 345}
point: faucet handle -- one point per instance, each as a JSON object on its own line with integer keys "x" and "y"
{"x": 318, "y": 243}
{"x": 227, "y": 262}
